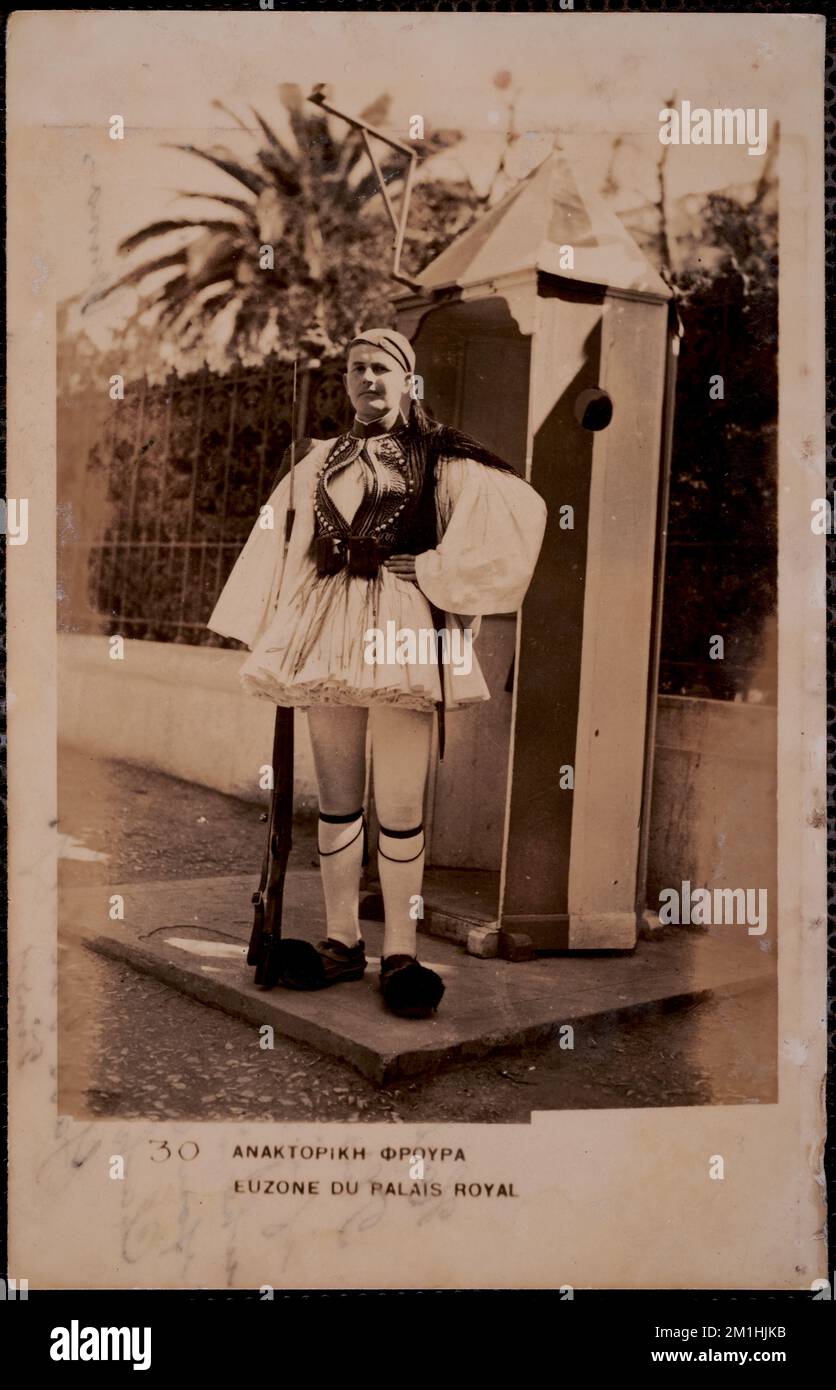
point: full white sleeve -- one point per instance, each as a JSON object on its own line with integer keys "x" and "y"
{"x": 493, "y": 529}
{"x": 244, "y": 602}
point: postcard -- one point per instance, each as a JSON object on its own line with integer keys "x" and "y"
{"x": 416, "y": 530}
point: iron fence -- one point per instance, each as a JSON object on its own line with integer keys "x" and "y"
{"x": 185, "y": 467}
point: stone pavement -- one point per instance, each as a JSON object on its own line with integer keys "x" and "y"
{"x": 193, "y": 933}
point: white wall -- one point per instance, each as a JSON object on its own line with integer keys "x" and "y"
{"x": 714, "y": 809}
{"x": 180, "y": 709}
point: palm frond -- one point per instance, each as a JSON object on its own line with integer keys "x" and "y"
{"x": 351, "y": 153}
{"x": 317, "y": 148}
{"x": 376, "y": 113}
{"x": 208, "y": 308}
{"x": 192, "y": 315}
{"x": 221, "y": 106}
{"x": 155, "y": 229}
{"x": 288, "y": 184}
{"x": 175, "y": 295}
{"x": 278, "y": 160}
{"x": 436, "y": 141}
{"x": 323, "y": 148}
{"x": 247, "y": 208}
{"x": 275, "y": 143}
{"x": 135, "y": 277}
{"x": 361, "y": 192}
{"x": 291, "y": 97}
{"x": 248, "y": 177}
{"x": 243, "y": 321}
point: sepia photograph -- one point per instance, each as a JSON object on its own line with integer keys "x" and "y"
{"x": 419, "y": 719}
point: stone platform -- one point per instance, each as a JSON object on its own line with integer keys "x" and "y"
{"x": 193, "y": 933}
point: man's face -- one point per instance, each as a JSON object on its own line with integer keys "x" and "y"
{"x": 375, "y": 382}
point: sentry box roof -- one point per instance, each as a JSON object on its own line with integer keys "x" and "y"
{"x": 525, "y": 233}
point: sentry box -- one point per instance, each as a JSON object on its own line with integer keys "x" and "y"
{"x": 546, "y": 332}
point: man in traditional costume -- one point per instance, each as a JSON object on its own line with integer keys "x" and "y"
{"x": 399, "y": 521}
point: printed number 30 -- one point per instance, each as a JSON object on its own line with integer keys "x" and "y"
{"x": 166, "y": 1154}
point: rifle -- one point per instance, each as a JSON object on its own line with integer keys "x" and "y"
{"x": 266, "y": 936}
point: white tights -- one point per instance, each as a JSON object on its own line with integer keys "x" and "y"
{"x": 400, "y": 742}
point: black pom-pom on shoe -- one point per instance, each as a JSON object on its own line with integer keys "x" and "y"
{"x": 409, "y": 989}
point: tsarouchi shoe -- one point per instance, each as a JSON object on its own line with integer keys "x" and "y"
{"x": 330, "y": 962}
{"x": 409, "y": 989}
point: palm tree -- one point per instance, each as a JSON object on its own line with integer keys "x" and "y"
{"x": 311, "y": 201}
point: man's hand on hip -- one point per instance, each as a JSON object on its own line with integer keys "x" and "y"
{"x": 403, "y": 566}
